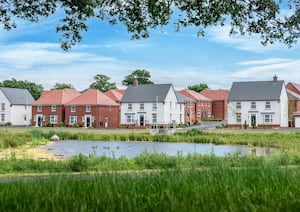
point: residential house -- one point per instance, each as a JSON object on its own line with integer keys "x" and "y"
{"x": 115, "y": 94}
{"x": 15, "y": 106}
{"x": 151, "y": 105}
{"x": 219, "y": 99}
{"x": 258, "y": 104}
{"x": 293, "y": 91}
{"x": 92, "y": 109}
{"x": 49, "y": 109}
{"x": 197, "y": 108}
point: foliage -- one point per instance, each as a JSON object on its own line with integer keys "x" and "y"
{"x": 61, "y": 86}
{"x": 198, "y": 87}
{"x": 33, "y": 88}
{"x": 141, "y": 75}
{"x": 264, "y": 18}
{"x": 102, "y": 83}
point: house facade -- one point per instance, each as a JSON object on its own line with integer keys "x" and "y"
{"x": 15, "y": 106}
{"x": 219, "y": 99}
{"x": 293, "y": 91}
{"x": 151, "y": 105}
{"x": 92, "y": 109}
{"x": 258, "y": 104}
{"x": 49, "y": 109}
{"x": 197, "y": 108}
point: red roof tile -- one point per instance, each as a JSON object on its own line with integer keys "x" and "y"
{"x": 114, "y": 95}
{"x": 194, "y": 95}
{"x": 220, "y": 94}
{"x": 296, "y": 86}
{"x": 93, "y": 97}
{"x": 57, "y": 97}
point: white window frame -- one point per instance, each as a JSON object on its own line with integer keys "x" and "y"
{"x": 53, "y": 119}
{"x": 3, "y": 107}
{"x": 154, "y": 118}
{"x": 142, "y": 106}
{"x": 268, "y": 105}
{"x": 88, "y": 108}
{"x": 72, "y": 120}
{"x": 154, "y": 106}
{"x": 129, "y": 118}
{"x": 2, "y": 117}
{"x": 129, "y": 106}
{"x": 268, "y": 118}
{"x": 253, "y": 105}
{"x": 73, "y": 108}
{"x": 53, "y": 108}
{"x": 39, "y": 108}
{"x": 238, "y": 118}
{"x": 238, "y": 105}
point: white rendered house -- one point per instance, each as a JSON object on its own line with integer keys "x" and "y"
{"x": 258, "y": 104}
{"x": 15, "y": 106}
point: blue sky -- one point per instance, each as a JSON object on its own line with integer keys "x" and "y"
{"x": 31, "y": 52}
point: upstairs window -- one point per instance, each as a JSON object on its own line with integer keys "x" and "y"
{"x": 73, "y": 108}
{"x": 39, "y": 108}
{"x": 88, "y": 108}
{"x": 253, "y": 105}
{"x": 142, "y": 106}
{"x": 154, "y": 106}
{"x": 238, "y": 105}
{"x": 53, "y": 108}
{"x": 268, "y": 105}
{"x": 129, "y": 106}
{"x": 2, "y": 106}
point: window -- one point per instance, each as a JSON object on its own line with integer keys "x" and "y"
{"x": 129, "y": 118}
{"x": 170, "y": 105}
{"x": 72, "y": 119}
{"x": 154, "y": 118}
{"x": 268, "y": 105}
{"x": 2, "y": 117}
{"x": 39, "y": 108}
{"x": 88, "y": 108}
{"x": 238, "y": 105}
{"x": 253, "y": 105}
{"x": 53, "y": 108}
{"x": 73, "y": 108}
{"x": 2, "y": 106}
{"x": 129, "y": 106}
{"x": 238, "y": 118}
{"x": 141, "y": 106}
{"x": 199, "y": 113}
{"x": 268, "y": 118}
{"x": 154, "y": 106}
{"x": 53, "y": 119}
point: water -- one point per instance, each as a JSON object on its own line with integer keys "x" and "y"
{"x": 69, "y": 148}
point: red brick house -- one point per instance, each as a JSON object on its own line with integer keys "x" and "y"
{"x": 219, "y": 102}
{"x": 92, "y": 109}
{"x": 197, "y": 108}
{"x": 293, "y": 91}
{"x": 49, "y": 108}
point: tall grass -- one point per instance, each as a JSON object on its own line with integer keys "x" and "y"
{"x": 263, "y": 188}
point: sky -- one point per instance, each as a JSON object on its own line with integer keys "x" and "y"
{"x": 32, "y": 52}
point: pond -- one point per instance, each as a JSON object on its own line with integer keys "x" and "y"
{"x": 69, "y": 148}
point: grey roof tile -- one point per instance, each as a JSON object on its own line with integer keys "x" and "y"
{"x": 17, "y": 96}
{"x": 256, "y": 90}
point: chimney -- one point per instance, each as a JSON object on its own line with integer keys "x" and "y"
{"x": 135, "y": 82}
{"x": 275, "y": 78}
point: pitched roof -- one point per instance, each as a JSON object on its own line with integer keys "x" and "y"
{"x": 292, "y": 95}
{"x": 57, "y": 97}
{"x": 220, "y": 94}
{"x": 146, "y": 93}
{"x": 92, "y": 97}
{"x": 114, "y": 95}
{"x": 18, "y": 96}
{"x": 182, "y": 98}
{"x": 256, "y": 90}
{"x": 294, "y": 86}
{"x": 194, "y": 95}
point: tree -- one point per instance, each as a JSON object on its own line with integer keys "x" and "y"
{"x": 102, "y": 83}
{"x": 262, "y": 17}
{"x": 61, "y": 86}
{"x": 198, "y": 87}
{"x": 35, "y": 89}
{"x": 141, "y": 75}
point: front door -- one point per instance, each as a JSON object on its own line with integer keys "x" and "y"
{"x": 39, "y": 121}
{"x": 88, "y": 121}
{"x": 142, "y": 120}
{"x": 106, "y": 122}
{"x": 253, "y": 120}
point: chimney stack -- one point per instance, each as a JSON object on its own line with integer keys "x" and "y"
{"x": 135, "y": 82}
{"x": 275, "y": 78}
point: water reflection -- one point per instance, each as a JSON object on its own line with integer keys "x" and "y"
{"x": 70, "y": 148}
